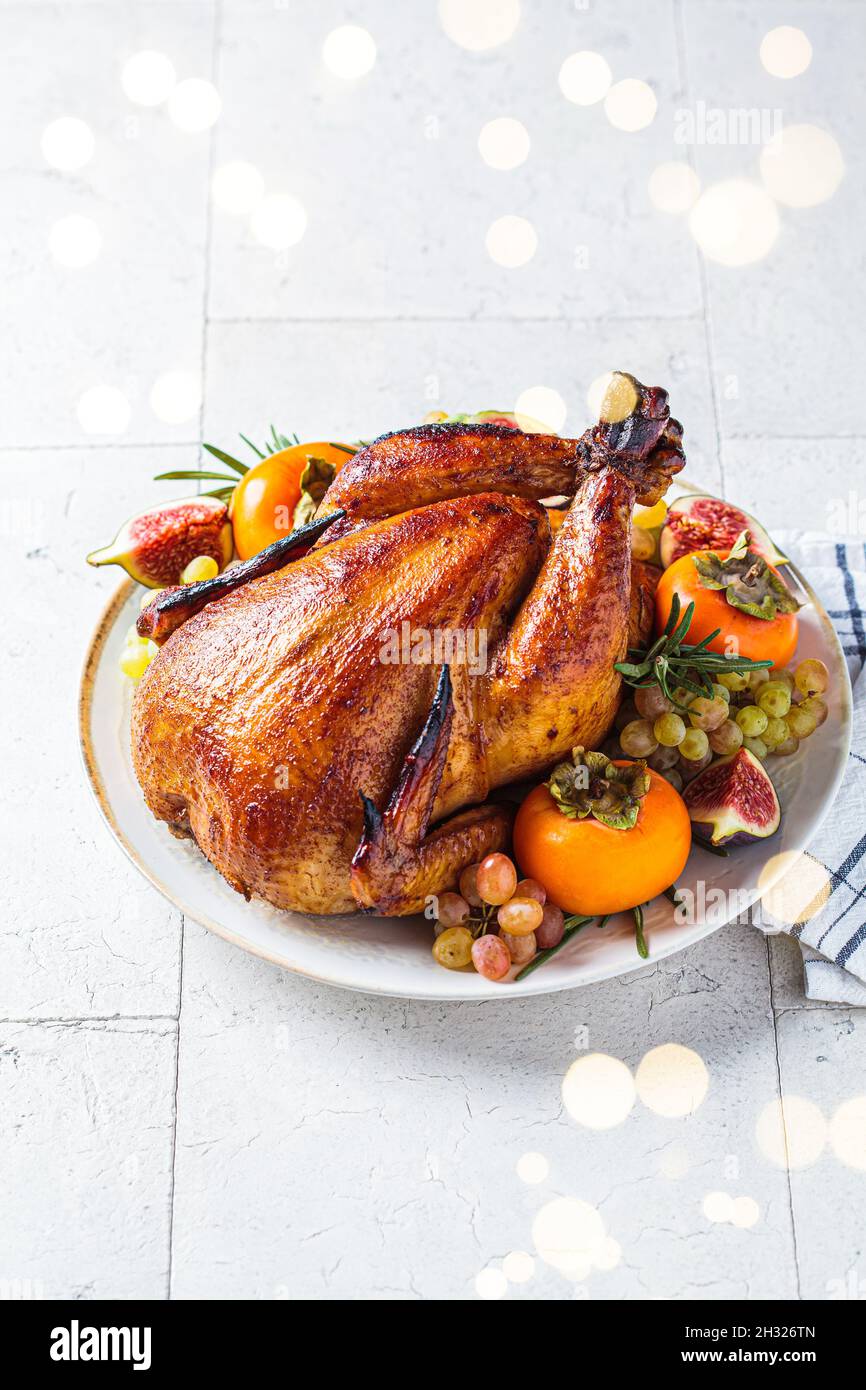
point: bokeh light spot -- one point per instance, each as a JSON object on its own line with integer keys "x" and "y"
{"x": 585, "y": 78}
{"x": 785, "y": 51}
{"x": 734, "y": 222}
{"x": 237, "y": 186}
{"x": 491, "y": 1284}
{"x": 541, "y": 405}
{"x": 503, "y": 143}
{"x": 511, "y": 241}
{"x": 745, "y": 1212}
{"x": 672, "y": 1080}
{"x": 569, "y": 1234}
{"x": 532, "y": 1168}
{"x": 848, "y": 1133}
{"x": 349, "y": 51}
{"x": 479, "y": 24}
{"x": 631, "y": 104}
{"x": 717, "y": 1206}
{"x": 148, "y": 78}
{"x": 802, "y": 166}
{"x": 278, "y": 221}
{"x": 518, "y": 1267}
{"x": 791, "y": 1133}
{"x": 176, "y": 397}
{"x": 674, "y": 186}
{"x": 598, "y": 1091}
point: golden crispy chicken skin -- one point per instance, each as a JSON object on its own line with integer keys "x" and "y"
{"x": 330, "y": 724}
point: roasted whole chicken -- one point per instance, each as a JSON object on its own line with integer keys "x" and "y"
{"x": 329, "y": 719}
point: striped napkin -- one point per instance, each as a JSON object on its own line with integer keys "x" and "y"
{"x": 833, "y": 938}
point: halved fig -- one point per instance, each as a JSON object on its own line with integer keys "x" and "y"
{"x": 708, "y": 523}
{"x": 733, "y": 801}
{"x": 156, "y": 546}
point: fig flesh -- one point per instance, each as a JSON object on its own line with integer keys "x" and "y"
{"x": 156, "y": 546}
{"x": 707, "y": 523}
{"x": 733, "y": 801}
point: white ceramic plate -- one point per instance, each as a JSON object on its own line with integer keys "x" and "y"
{"x": 392, "y": 956}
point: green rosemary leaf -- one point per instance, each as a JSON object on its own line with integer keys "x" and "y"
{"x": 191, "y": 475}
{"x": 577, "y": 924}
{"x": 684, "y": 625}
{"x": 642, "y": 948}
{"x": 627, "y": 668}
{"x": 255, "y": 448}
{"x": 673, "y": 616}
{"x": 223, "y": 457}
{"x": 223, "y": 493}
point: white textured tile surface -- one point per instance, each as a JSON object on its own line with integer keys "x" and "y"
{"x": 87, "y": 1145}
{"x": 135, "y": 312}
{"x": 398, "y": 198}
{"x": 331, "y": 1144}
{"x": 82, "y": 933}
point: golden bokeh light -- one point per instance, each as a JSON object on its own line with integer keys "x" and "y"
{"x": 511, "y": 241}
{"x": 518, "y": 1267}
{"x": 598, "y": 1091}
{"x": 532, "y": 1168}
{"x": 541, "y": 405}
{"x": 569, "y": 1234}
{"x": 611, "y": 397}
{"x": 672, "y": 1080}
{"x": 504, "y": 143}
{"x": 674, "y": 186}
{"x": 479, "y": 24}
{"x": 631, "y": 105}
{"x": 848, "y": 1133}
{"x": 745, "y": 1212}
{"x": 791, "y": 1133}
{"x": 585, "y": 78}
{"x": 802, "y": 166}
{"x": 717, "y": 1207}
{"x": 785, "y": 51}
{"x": 793, "y": 887}
{"x": 734, "y": 222}
{"x": 491, "y": 1284}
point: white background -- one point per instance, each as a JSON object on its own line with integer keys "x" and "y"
{"x": 179, "y": 1119}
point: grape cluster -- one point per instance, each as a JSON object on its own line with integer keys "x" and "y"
{"x": 138, "y": 652}
{"x": 495, "y": 921}
{"x": 764, "y": 711}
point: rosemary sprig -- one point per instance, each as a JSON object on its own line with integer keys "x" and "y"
{"x": 671, "y": 662}
{"x": 572, "y": 926}
{"x": 640, "y": 939}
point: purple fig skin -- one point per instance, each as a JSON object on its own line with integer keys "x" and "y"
{"x": 155, "y": 546}
{"x": 739, "y": 804}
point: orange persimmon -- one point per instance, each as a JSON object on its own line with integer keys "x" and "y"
{"x": 591, "y": 868}
{"x": 264, "y": 501}
{"x": 759, "y": 639}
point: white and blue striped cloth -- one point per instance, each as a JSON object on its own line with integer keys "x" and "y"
{"x": 833, "y": 940}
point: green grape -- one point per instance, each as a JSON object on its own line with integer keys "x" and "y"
{"x": 734, "y": 680}
{"x": 756, "y": 746}
{"x": 758, "y": 678}
{"x": 801, "y": 722}
{"x": 670, "y": 730}
{"x": 682, "y": 696}
{"x": 775, "y": 699}
{"x": 775, "y": 733}
{"x": 721, "y": 692}
{"x": 781, "y": 673}
{"x": 811, "y": 677}
{"x": 752, "y": 720}
{"x": 816, "y": 706}
{"x": 694, "y": 745}
{"x": 785, "y": 749}
{"x": 707, "y": 714}
{"x": 727, "y": 738}
{"x": 637, "y": 739}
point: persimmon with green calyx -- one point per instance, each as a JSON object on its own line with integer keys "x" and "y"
{"x": 273, "y": 497}
{"x": 739, "y": 597}
{"x": 602, "y": 836}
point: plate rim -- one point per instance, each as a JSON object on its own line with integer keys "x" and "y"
{"x": 92, "y": 658}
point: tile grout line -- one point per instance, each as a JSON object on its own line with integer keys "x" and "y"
{"x": 215, "y": 49}
{"x": 73, "y": 1021}
{"x": 784, "y": 1128}
{"x": 682, "y": 61}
